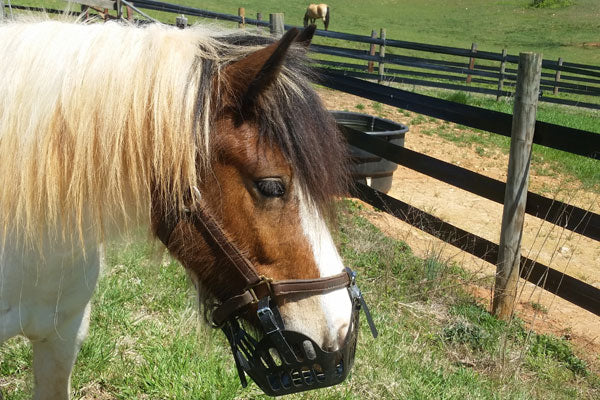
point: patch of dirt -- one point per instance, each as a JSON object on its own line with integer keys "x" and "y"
{"x": 563, "y": 250}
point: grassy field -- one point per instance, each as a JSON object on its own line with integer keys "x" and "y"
{"x": 570, "y": 33}
{"x": 435, "y": 341}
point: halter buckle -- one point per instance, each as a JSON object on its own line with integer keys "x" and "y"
{"x": 263, "y": 280}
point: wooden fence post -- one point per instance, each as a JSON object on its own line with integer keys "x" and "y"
{"x": 370, "y": 64}
{"x": 1, "y": 10}
{"x": 501, "y": 77}
{"x": 276, "y": 26}
{"x": 242, "y": 13}
{"x": 515, "y": 196}
{"x": 381, "y": 55}
{"x": 472, "y": 61}
{"x": 181, "y": 21}
{"x": 557, "y": 76}
{"x": 259, "y": 18}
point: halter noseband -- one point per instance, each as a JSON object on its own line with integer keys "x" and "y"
{"x": 300, "y": 363}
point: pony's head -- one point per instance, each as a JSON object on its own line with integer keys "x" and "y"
{"x": 277, "y": 162}
{"x": 222, "y": 134}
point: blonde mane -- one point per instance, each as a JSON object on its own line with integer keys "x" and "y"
{"x": 93, "y": 116}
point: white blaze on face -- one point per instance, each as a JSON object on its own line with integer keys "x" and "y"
{"x": 333, "y": 309}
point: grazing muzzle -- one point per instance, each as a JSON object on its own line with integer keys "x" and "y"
{"x": 280, "y": 361}
{"x": 284, "y": 361}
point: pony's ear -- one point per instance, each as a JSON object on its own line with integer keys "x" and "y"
{"x": 305, "y": 37}
{"x": 247, "y": 78}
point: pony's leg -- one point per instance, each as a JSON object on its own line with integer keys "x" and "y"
{"x": 54, "y": 357}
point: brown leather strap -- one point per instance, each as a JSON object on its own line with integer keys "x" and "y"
{"x": 310, "y": 286}
{"x": 204, "y": 222}
{"x": 278, "y": 289}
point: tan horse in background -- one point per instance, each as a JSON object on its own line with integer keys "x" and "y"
{"x": 317, "y": 11}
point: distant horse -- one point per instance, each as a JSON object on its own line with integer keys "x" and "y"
{"x": 215, "y": 141}
{"x": 317, "y": 11}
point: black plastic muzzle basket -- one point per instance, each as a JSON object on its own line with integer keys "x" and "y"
{"x": 285, "y": 362}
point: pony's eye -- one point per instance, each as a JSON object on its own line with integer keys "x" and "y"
{"x": 271, "y": 187}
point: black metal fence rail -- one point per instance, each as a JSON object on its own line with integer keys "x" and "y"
{"x": 564, "y": 286}
{"x": 556, "y": 212}
{"x": 558, "y": 137}
{"x": 559, "y": 83}
{"x": 196, "y": 12}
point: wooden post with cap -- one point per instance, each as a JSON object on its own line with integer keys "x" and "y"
{"x": 517, "y": 182}
{"x": 258, "y": 18}
{"x": 501, "y": 77}
{"x": 371, "y": 64}
{"x": 276, "y": 24}
{"x": 557, "y": 76}
{"x": 242, "y": 15}
{"x": 381, "y": 56}
{"x": 472, "y": 62}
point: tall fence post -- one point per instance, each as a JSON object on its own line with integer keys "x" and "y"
{"x": 381, "y": 55}
{"x": 557, "y": 76}
{"x": 517, "y": 182}
{"x": 242, "y": 14}
{"x": 501, "y": 77}
{"x": 259, "y": 18}
{"x": 472, "y": 61}
{"x": 371, "y": 64}
{"x": 119, "y": 9}
{"x": 1, "y": 10}
{"x": 276, "y": 24}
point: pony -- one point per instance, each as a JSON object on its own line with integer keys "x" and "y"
{"x": 108, "y": 127}
{"x": 314, "y": 11}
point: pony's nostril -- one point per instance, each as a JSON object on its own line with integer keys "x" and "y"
{"x": 330, "y": 346}
{"x": 334, "y": 342}
{"x": 342, "y": 333}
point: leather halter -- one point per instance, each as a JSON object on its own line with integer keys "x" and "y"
{"x": 256, "y": 286}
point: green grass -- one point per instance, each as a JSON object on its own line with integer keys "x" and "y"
{"x": 546, "y": 161}
{"x": 435, "y": 342}
{"x": 493, "y": 24}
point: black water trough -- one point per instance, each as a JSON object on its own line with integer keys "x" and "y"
{"x": 368, "y": 168}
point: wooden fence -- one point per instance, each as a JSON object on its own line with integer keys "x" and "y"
{"x": 463, "y": 70}
{"x": 558, "y": 213}
{"x": 468, "y": 70}
{"x": 557, "y": 137}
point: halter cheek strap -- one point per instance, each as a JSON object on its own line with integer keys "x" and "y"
{"x": 256, "y": 286}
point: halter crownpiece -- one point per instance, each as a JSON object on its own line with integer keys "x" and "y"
{"x": 282, "y": 361}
